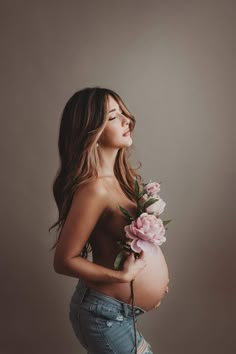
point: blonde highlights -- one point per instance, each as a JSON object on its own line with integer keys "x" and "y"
{"x": 82, "y": 122}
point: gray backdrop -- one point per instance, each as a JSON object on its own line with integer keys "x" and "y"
{"x": 172, "y": 63}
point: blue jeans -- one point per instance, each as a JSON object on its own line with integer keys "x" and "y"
{"x": 103, "y": 324}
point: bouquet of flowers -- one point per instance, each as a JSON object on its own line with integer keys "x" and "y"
{"x": 147, "y": 230}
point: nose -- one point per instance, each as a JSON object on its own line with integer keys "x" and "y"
{"x": 126, "y": 120}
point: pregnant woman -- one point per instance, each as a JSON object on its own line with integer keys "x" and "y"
{"x": 94, "y": 178}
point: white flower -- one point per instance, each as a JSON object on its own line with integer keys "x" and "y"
{"x": 156, "y": 208}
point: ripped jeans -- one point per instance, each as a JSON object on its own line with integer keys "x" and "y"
{"x": 103, "y": 324}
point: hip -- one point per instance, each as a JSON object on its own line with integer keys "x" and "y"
{"x": 104, "y": 324}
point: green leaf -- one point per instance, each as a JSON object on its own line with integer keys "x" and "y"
{"x": 118, "y": 260}
{"x": 165, "y": 222}
{"x": 126, "y": 213}
{"x": 150, "y": 202}
{"x": 127, "y": 248}
{"x": 139, "y": 212}
{"x": 141, "y": 194}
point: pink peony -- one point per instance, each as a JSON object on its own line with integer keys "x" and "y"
{"x": 152, "y": 188}
{"x": 146, "y": 232}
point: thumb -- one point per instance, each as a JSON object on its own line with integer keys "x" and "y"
{"x": 130, "y": 257}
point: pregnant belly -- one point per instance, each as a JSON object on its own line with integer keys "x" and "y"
{"x": 149, "y": 286}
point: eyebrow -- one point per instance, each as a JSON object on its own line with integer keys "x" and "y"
{"x": 112, "y": 110}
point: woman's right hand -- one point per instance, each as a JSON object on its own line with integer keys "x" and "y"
{"x": 133, "y": 266}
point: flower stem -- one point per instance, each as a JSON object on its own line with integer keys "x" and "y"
{"x": 134, "y": 325}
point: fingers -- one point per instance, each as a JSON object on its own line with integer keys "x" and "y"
{"x": 141, "y": 255}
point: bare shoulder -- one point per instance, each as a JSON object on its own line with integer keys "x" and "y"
{"x": 94, "y": 188}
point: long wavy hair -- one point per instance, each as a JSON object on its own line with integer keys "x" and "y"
{"x": 82, "y": 122}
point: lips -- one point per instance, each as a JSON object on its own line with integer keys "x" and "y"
{"x": 127, "y": 131}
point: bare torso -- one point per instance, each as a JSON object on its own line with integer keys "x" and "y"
{"x": 150, "y": 285}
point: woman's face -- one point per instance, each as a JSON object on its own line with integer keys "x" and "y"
{"x": 117, "y": 124}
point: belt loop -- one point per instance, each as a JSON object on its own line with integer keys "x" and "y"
{"x": 125, "y": 309}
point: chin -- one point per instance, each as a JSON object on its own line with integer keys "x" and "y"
{"x": 126, "y": 145}
{"x": 129, "y": 142}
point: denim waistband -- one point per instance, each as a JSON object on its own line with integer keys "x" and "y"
{"x": 84, "y": 294}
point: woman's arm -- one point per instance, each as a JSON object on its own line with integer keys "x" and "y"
{"x": 89, "y": 203}
{"x": 81, "y": 268}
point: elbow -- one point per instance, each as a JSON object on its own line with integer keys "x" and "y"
{"x": 58, "y": 266}
{"x": 65, "y": 266}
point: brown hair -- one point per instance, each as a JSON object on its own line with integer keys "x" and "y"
{"x": 82, "y": 122}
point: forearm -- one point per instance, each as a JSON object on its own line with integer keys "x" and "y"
{"x": 81, "y": 268}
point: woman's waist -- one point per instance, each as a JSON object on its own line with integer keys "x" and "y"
{"x": 92, "y": 299}
{"x": 147, "y": 295}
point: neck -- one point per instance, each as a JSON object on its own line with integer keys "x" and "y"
{"x": 107, "y": 158}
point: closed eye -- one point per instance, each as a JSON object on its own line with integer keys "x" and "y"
{"x": 116, "y": 117}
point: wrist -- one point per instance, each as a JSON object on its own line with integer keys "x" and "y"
{"x": 124, "y": 276}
